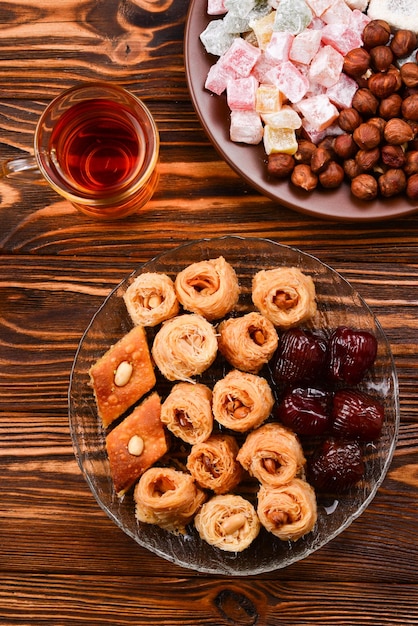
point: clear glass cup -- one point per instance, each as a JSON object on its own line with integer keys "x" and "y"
{"x": 97, "y": 145}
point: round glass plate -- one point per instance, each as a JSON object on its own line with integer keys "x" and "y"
{"x": 338, "y": 303}
{"x": 250, "y": 162}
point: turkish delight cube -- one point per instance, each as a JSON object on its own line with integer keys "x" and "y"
{"x": 216, "y": 7}
{"x": 305, "y": 46}
{"x": 240, "y": 7}
{"x": 246, "y": 127}
{"x": 268, "y": 99}
{"x": 241, "y": 57}
{"x": 280, "y": 140}
{"x": 319, "y": 111}
{"x": 279, "y": 46}
{"x": 215, "y": 39}
{"x": 318, "y": 7}
{"x": 341, "y": 37}
{"x": 286, "y": 117}
{"x": 292, "y": 82}
{"x": 263, "y": 29}
{"x": 341, "y": 94}
{"x": 326, "y": 66}
{"x": 263, "y": 65}
{"x": 241, "y": 93}
{"x": 292, "y": 16}
{"x": 338, "y": 13}
{"x": 217, "y": 77}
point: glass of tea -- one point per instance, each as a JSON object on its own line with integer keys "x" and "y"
{"x": 97, "y": 145}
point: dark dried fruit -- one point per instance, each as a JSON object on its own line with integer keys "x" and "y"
{"x": 305, "y": 411}
{"x": 350, "y": 354}
{"x": 300, "y": 357}
{"x": 356, "y": 415}
{"x": 337, "y": 466}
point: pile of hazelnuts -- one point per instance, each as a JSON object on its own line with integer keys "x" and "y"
{"x": 377, "y": 150}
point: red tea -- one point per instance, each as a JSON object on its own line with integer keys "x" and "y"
{"x": 98, "y": 147}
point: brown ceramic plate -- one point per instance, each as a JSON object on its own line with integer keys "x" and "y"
{"x": 250, "y": 161}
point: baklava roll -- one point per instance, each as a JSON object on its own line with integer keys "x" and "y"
{"x": 187, "y": 412}
{"x": 242, "y": 401}
{"x": 289, "y": 511}
{"x": 272, "y": 454}
{"x": 247, "y": 342}
{"x": 284, "y": 295}
{"x": 185, "y": 346}
{"x": 213, "y": 464}
{"x": 167, "y": 497}
{"x": 209, "y": 288}
{"x": 150, "y": 299}
{"x": 228, "y": 522}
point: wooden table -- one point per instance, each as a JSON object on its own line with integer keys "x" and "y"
{"x": 62, "y": 561}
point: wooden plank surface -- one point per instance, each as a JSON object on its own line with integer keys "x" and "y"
{"x": 62, "y": 560}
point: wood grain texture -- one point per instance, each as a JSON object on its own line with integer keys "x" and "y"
{"x": 63, "y": 562}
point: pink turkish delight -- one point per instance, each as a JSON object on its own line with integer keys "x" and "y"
{"x": 341, "y": 94}
{"x": 319, "y": 7}
{"x": 291, "y": 82}
{"x": 241, "y": 93}
{"x": 338, "y": 13}
{"x": 359, "y": 20}
{"x": 279, "y": 46}
{"x": 305, "y": 46}
{"x": 318, "y": 111}
{"x": 263, "y": 64}
{"x": 326, "y": 66}
{"x": 246, "y": 127}
{"x": 241, "y": 57}
{"x": 341, "y": 37}
{"x": 217, "y": 78}
{"x": 216, "y": 7}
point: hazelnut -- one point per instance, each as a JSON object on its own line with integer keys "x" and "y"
{"x": 356, "y": 62}
{"x": 320, "y": 158}
{"x": 380, "y": 58}
{"x": 376, "y": 33}
{"x": 303, "y": 177}
{"x": 332, "y": 176}
{"x": 409, "y": 74}
{"x": 397, "y": 132}
{"x": 394, "y": 71}
{"x": 345, "y": 147}
{"x": 305, "y": 151}
{"x": 368, "y": 159}
{"x": 411, "y": 163}
{"x": 393, "y": 156}
{"x": 365, "y": 102}
{"x": 383, "y": 84}
{"x": 328, "y": 144}
{"x": 379, "y": 123}
{"x": 410, "y": 107}
{"x": 390, "y": 107}
{"x": 367, "y": 136}
{"x": 412, "y": 187}
{"x": 349, "y": 119}
{"x": 280, "y": 165}
{"x": 403, "y": 42}
{"x": 352, "y": 168}
{"x": 364, "y": 187}
{"x": 392, "y": 183}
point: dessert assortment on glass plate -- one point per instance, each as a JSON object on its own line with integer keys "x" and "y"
{"x": 233, "y": 405}
{"x": 326, "y": 89}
